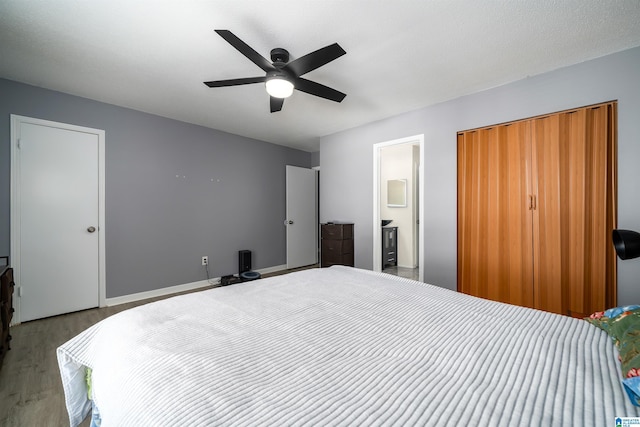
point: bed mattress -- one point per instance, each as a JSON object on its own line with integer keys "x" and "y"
{"x": 342, "y": 347}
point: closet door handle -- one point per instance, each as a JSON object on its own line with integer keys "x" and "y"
{"x": 533, "y": 202}
{"x": 530, "y": 202}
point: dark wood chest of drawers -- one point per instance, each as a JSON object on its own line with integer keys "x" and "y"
{"x": 336, "y": 246}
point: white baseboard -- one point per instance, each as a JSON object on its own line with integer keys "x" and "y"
{"x": 160, "y": 292}
{"x": 272, "y": 269}
{"x": 179, "y": 288}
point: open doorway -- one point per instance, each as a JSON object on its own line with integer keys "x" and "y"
{"x": 397, "y": 199}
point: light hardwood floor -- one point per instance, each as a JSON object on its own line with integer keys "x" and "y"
{"x": 30, "y": 387}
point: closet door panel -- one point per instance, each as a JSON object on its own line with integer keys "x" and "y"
{"x": 600, "y": 219}
{"x": 547, "y": 218}
{"x": 516, "y": 218}
{"x": 573, "y": 218}
{"x": 577, "y": 213}
{"x": 471, "y": 273}
{"x": 471, "y": 191}
{"x": 611, "y": 288}
{"x": 494, "y": 259}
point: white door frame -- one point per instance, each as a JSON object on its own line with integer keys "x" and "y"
{"x": 16, "y": 122}
{"x": 377, "y": 228}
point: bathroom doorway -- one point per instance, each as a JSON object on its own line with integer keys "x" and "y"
{"x": 398, "y": 208}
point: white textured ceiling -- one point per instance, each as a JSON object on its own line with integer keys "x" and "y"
{"x": 401, "y": 55}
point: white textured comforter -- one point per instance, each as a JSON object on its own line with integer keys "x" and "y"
{"x": 342, "y": 346}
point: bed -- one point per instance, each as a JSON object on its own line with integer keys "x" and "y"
{"x": 340, "y": 347}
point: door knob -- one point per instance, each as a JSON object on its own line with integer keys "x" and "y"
{"x": 290, "y": 222}
{"x": 91, "y": 229}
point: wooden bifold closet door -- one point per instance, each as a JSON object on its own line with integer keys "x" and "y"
{"x": 536, "y": 206}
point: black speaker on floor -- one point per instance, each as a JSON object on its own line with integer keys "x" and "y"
{"x": 244, "y": 261}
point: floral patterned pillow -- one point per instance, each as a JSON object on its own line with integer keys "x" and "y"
{"x": 623, "y": 326}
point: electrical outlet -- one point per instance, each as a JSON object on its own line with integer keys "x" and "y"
{"x": 205, "y": 260}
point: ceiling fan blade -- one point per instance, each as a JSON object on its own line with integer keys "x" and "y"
{"x": 246, "y": 50}
{"x": 235, "y": 82}
{"x": 276, "y": 104}
{"x": 317, "y": 89}
{"x": 315, "y": 59}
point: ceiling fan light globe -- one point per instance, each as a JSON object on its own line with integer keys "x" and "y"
{"x": 279, "y": 87}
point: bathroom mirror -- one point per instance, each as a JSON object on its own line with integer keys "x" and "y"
{"x": 397, "y": 193}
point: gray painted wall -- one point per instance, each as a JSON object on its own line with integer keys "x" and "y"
{"x": 315, "y": 159}
{"x": 346, "y": 181}
{"x": 158, "y": 225}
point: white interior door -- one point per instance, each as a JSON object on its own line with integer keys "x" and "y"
{"x": 56, "y": 220}
{"x": 302, "y": 217}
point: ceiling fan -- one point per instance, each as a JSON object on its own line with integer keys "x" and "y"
{"x": 284, "y": 76}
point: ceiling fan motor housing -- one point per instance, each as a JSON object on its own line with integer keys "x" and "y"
{"x": 279, "y": 74}
{"x": 279, "y": 56}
